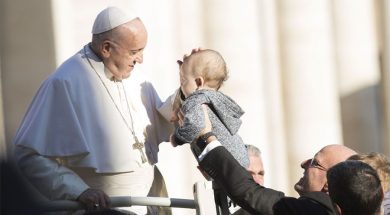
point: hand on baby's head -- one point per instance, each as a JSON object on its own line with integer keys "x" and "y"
{"x": 196, "y": 50}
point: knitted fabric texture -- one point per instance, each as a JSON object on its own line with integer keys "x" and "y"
{"x": 224, "y": 114}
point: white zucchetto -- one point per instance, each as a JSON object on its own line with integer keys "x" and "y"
{"x": 110, "y": 18}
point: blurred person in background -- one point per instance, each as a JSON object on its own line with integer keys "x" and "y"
{"x": 355, "y": 188}
{"x": 256, "y": 169}
{"x": 381, "y": 164}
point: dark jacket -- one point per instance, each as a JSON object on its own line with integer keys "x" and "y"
{"x": 256, "y": 199}
{"x": 241, "y": 212}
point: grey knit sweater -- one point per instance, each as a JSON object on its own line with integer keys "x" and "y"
{"x": 224, "y": 115}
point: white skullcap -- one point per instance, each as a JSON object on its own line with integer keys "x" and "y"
{"x": 110, "y": 18}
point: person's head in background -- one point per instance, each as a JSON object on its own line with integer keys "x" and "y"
{"x": 314, "y": 175}
{"x": 381, "y": 164}
{"x": 256, "y": 168}
{"x": 204, "y": 69}
{"x": 355, "y": 188}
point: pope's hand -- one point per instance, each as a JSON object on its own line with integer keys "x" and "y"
{"x": 196, "y": 50}
{"x": 94, "y": 200}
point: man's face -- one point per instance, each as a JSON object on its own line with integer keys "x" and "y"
{"x": 126, "y": 50}
{"x": 256, "y": 169}
{"x": 314, "y": 175}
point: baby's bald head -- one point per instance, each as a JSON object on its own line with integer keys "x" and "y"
{"x": 211, "y": 66}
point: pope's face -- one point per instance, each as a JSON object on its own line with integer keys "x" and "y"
{"x": 126, "y": 50}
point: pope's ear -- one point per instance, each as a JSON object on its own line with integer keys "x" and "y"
{"x": 105, "y": 49}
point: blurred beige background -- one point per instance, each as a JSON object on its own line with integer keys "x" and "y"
{"x": 307, "y": 73}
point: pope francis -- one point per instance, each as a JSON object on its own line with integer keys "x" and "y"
{"x": 93, "y": 132}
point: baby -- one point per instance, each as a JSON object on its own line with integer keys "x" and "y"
{"x": 201, "y": 75}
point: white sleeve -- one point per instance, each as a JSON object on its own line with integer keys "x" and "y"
{"x": 213, "y": 144}
{"x": 52, "y": 179}
{"x": 166, "y": 108}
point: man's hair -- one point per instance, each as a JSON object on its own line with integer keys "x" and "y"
{"x": 380, "y": 163}
{"x": 355, "y": 187}
{"x": 253, "y": 150}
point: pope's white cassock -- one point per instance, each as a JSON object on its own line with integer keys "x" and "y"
{"x": 81, "y": 117}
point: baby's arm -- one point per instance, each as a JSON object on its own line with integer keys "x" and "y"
{"x": 192, "y": 122}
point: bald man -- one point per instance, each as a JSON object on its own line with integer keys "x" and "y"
{"x": 94, "y": 126}
{"x": 314, "y": 175}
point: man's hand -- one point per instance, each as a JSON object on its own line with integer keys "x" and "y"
{"x": 196, "y": 147}
{"x": 196, "y": 50}
{"x": 207, "y": 121}
{"x": 94, "y": 200}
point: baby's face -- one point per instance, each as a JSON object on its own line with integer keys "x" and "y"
{"x": 187, "y": 79}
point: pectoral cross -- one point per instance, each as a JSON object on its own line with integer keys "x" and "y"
{"x": 138, "y": 145}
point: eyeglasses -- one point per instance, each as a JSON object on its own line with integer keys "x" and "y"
{"x": 314, "y": 163}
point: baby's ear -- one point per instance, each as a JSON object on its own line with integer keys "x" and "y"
{"x": 199, "y": 82}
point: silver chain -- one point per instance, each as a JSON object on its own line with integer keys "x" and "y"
{"x": 112, "y": 99}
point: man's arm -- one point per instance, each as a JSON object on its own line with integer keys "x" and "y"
{"x": 238, "y": 183}
{"x": 218, "y": 163}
